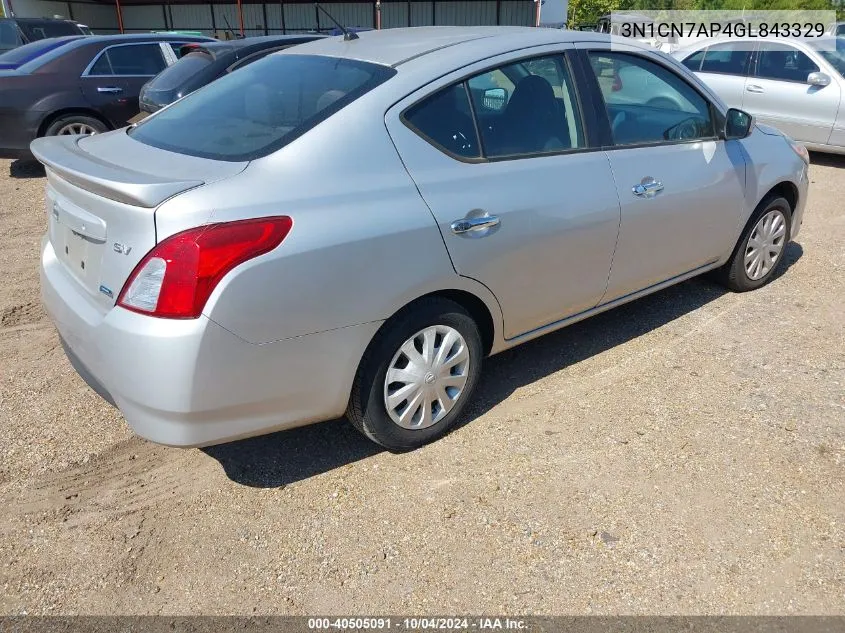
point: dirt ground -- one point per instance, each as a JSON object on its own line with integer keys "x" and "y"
{"x": 683, "y": 454}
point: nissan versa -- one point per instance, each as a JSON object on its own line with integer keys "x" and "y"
{"x": 353, "y": 224}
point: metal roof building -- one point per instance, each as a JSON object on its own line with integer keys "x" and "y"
{"x": 224, "y": 18}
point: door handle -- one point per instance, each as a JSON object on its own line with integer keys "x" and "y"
{"x": 109, "y": 89}
{"x": 647, "y": 188}
{"x": 474, "y": 225}
{"x": 754, "y": 88}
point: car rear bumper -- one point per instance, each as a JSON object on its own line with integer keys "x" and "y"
{"x": 191, "y": 382}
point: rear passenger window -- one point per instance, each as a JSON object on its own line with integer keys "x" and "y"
{"x": 728, "y": 59}
{"x": 647, "y": 103}
{"x": 522, "y": 109}
{"x": 528, "y": 107}
{"x": 445, "y": 120}
{"x": 133, "y": 60}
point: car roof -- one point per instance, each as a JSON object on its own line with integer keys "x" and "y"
{"x": 17, "y": 19}
{"x": 392, "y": 47}
{"x": 130, "y": 37}
{"x": 217, "y": 47}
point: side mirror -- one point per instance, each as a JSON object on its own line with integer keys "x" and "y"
{"x": 737, "y": 124}
{"x": 495, "y": 98}
{"x": 818, "y": 79}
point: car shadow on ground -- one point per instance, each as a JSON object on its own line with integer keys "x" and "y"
{"x": 286, "y": 457}
{"x": 23, "y": 168}
{"x": 827, "y": 160}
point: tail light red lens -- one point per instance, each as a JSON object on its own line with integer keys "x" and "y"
{"x": 617, "y": 83}
{"x": 176, "y": 278}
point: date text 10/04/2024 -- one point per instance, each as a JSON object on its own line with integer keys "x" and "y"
{"x": 417, "y": 624}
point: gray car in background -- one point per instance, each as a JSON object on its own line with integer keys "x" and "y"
{"x": 795, "y": 85}
{"x": 352, "y": 226}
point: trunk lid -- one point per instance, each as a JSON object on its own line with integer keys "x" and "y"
{"x": 101, "y": 196}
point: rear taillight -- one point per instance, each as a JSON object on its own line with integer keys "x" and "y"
{"x": 176, "y": 278}
{"x": 617, "y": 83}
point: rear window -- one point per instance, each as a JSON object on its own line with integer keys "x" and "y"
{"x": 257, "y": 110}
{"x": 179, "y": 73}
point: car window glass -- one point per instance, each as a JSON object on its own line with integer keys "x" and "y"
{"x": 528, "y": 107}
{"x": 254, "y": 57}
{"x": 731, "y": 59}
{"x": 784, "y": 63}
{"x": 180, "y": 72}
{"x": 9, "y": 34}
{"x": 134, "y": 60}
{"x": 256, "y": 111}
{"x": 693, "y": 62}
{"x": 648, "y": 103}
{"x": 444, "y": 119}
{"x": 181, "y": 49}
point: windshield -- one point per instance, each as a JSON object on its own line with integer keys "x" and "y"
{"x": 28, "y": 52}
{"x": 835, "y": 58}
{"x": 49, "y": 28}
{"x": 257, "y": 110}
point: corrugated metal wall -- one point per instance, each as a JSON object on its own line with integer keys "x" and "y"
{"x": 145, "y": 18}
{"x": 297, "y": 17}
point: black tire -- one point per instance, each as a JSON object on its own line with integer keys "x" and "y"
{"x": 733, "y": 274}
{"x": 367, "y": 410}
{"x": 75, "y": 119}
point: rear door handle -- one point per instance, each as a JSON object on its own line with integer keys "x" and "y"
{"x": 647, "y": 188}
{"x": 474, "y": 225}
{"x": 754, "y": 88}
{"x": 109, "y": 89}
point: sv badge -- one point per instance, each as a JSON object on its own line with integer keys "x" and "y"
{"x": 122, "y": 248}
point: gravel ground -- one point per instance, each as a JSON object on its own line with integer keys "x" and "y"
{"x": 683, "y": 454}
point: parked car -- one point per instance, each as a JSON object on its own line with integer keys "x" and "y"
{"x": 17, "y": 57}
{"x": 348, "y": 227}
{"x": 794, "y": 85}
{"x": 16, "y": 32}
{"x": 837, "y": 28}
{"x": 86, "y": 85}
{"x": 203, "y": 63}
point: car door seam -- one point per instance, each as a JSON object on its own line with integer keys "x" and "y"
{"x": 618, "y": 229}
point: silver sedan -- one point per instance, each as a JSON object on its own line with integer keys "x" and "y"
{"x": 795, "y": 85}
{"x": 350, "y": 226}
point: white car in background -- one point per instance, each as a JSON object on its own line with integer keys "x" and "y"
{"x": 794, "y": 85}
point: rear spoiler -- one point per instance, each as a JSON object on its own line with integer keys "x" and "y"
{"x": 63, "y": 156}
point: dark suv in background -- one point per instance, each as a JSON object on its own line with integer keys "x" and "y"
{"x": 16, "y": 32}
{"x": 201, "y": 64}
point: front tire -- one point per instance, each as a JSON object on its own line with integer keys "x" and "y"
{"x": 759, "y": 252}
{"x": 417, "y": 375}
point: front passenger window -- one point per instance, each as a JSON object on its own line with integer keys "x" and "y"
{"x": 784, "y": 63}
{"x": 647, "y": 103}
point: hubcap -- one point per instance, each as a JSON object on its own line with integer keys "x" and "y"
{"x": 426, "y": 377}
{"x": 765, "y": 245}
{"x": 76, "y": 128}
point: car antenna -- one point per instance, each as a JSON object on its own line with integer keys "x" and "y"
{"x": 347, "y": 34}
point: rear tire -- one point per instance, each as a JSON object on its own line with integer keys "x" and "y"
{"x": 760, "y": 250}
{"x": 438, "y": 374}
{"x": 75, "y": 124}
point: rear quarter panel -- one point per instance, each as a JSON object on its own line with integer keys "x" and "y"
{"x": 363, "y": 242}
